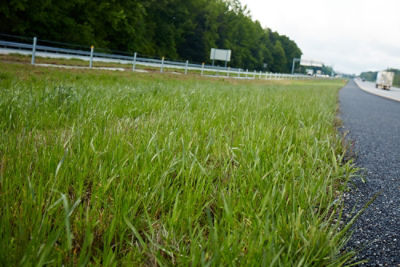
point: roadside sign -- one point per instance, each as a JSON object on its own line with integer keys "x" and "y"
{"x": 220, "y": 54}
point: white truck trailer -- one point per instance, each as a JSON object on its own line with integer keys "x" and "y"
{"x": 384, "y": 79}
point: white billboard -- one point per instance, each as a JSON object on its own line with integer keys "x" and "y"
{"x": 220, "y": 54}
{"x": 311, "y": 63}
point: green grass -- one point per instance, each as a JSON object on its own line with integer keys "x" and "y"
{"x": 109, "y": 168}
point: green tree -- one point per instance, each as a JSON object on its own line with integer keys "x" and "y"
{"x": 177, "y": 29}
{"x": 280, "y": 61}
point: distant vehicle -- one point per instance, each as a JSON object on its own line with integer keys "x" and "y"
{"x": 384, "y": 79}
{"x": 363, "y": 79}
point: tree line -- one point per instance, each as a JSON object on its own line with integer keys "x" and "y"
{"x": 176, "y": 29}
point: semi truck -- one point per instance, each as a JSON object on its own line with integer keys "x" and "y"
{"x": 384, "y": 79}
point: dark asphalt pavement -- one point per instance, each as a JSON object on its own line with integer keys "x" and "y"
{"x": 373, "y": 125}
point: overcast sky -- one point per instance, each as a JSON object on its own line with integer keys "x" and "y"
{"x": 350, "y": 35}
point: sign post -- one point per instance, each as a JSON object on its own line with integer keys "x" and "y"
{"x": 294, "y": 62}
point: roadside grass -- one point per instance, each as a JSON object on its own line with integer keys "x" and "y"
{"x": 120, "y": 168}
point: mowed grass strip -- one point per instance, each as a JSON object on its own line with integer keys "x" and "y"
{"x": 110, "y": 168}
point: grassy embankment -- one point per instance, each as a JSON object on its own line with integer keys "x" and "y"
{"x": 145, "y": 169}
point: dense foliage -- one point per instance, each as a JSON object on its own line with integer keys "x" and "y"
{"x": 177, "y": 29}
{"x": 371, "y": 76}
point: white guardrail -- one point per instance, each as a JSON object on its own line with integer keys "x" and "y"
{"x": 34, "y": 49}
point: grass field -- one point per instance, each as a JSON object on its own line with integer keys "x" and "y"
{"x": 120, "y": 168}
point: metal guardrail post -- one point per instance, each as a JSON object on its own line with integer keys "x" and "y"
{"x": 186, "y": 66}
{"x": 260, "y": 75}
{"x": 202, "y": 68}
{"x": 247, "y": 73}
{"x": 229, "y": 70}
{"x": 134, "y": 62}
{"x": 91, "y": 56}
{"x": 239, "y": 73}
{"x": 162, "y": 65}
{"x": 254, "y": 75}
{"x": 34, "y": 50}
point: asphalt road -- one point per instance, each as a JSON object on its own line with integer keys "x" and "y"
{"x": 373, "y": 126}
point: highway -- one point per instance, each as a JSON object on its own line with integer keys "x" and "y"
{"x": 372, "y": 124}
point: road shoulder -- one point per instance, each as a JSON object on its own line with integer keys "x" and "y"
{"x": 393, "y": 94}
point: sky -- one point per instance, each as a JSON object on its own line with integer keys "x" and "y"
{"x": 351, "y": 35}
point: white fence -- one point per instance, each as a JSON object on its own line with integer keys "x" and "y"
{"x": 34, "y": 49}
